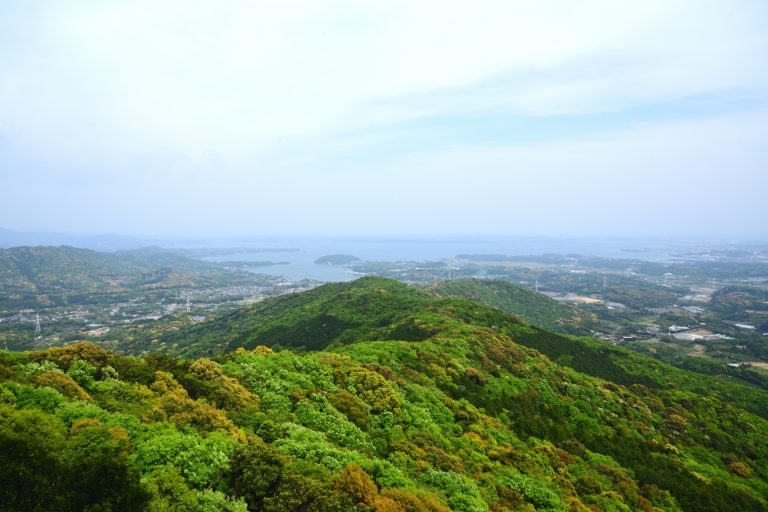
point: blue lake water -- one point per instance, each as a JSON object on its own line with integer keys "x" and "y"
{"x": 300, "y": 260}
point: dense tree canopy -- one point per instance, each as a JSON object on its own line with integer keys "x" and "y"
{"x": 468, "y": 418}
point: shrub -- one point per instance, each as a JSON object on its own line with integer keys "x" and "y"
{"x": 351, "y": 406}
{"x": 62, "y": 383}
{"x": 256, "y": 470}
{"x": 740, "y": 469}
{"x": 374, "y": 390}
{"x": 357, "y": 485}
{"x": 534, "y": 492}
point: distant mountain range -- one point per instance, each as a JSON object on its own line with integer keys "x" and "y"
{"x": 106, "y": 242}
{"x": 47, "y": 275}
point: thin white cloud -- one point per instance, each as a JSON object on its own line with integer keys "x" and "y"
{"x": 203, "y": 109}
{"x": 234, "y": 77}
{"x": 684, "y": 178}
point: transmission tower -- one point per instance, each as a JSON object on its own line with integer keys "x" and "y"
{"x": 189, "y": 308}
{"x": 37, "y": 323}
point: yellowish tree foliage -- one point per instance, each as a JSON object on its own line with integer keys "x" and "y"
{"x": 62, "y": 383}
{"x": 174, "y": 404}
{"x": 356, "y": 483}
{"x": 384, "y": 504}
{"x": 64, "y": 356}
{"x": 83, "y": 423}
{"x": 374, "y": 390}
{"x": 224, "y": 391}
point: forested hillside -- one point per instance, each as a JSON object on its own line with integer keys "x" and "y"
{"x": 532, "y": 307}
{"x": 46, "y": 276}
{"x": 374, "y": 308}
{"x": 406, "y": 402}
{"x": 335, "y": 313}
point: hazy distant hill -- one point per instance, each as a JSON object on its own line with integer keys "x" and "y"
{"x": 108, "y": 242}
{"x": 336, "y": 259}
{"x": 742, "y": 303}
{"x": 44, "y": 275}
{"x": 532, "y": 307}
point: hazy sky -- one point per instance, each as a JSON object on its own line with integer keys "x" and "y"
{"x": 392, "y": 117}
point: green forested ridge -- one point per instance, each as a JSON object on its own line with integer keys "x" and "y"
{"x": 532, "y": 307}
{"x": 742, "y": 303}
{"x": 409, "y": 403}
{"x": 374, "y": 308}
{"x": 48, "y": 276}
{"x": 34, "y": 270}
{"x": 333, "y": 313}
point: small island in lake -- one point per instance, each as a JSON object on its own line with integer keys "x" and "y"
{"x": 336, "y": 259}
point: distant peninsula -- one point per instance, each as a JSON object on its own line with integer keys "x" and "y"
{"x": 336, "y": 259}
{"x": 246, "y": 264}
